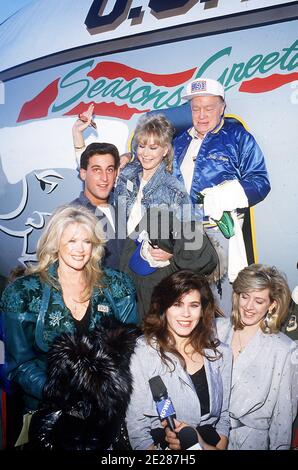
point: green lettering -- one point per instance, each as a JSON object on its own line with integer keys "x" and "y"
{"x": 253, "y": 64}
{"x": 144, "y": 92}
{"x": 93, "y": 91}
{"x": 113, "y": 93}
{"x": 157, "y": 104}
{"x": 269, "y": 62}
{"x": 147, "y": 96}
{"x": 111, "y": 87}
{"x": 122, "y": 93}
{"x": 174, "y": 99}
{"x": 151, "y": 96}
{"x": 236, "y": 74}
{"x": 211, "y": 60}
{"x": 65, "y": 84}
{"x": 222, "y": 78}
{"x": 289, "y": 50}
{"x": 292, "y": 64}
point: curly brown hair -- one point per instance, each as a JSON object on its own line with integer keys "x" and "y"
{"x": 155, "y": 327}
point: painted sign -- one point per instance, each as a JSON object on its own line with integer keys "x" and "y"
{"x": 74, "y": 24}
{"x": 38, "y": 162}
{"x": 122, "y": 91}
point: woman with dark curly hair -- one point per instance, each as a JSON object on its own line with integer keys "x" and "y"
{"x": 264, "y": 390}
{"x": 181, "y": 347}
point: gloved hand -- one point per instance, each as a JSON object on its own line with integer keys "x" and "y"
{"x": 227, "y": 196}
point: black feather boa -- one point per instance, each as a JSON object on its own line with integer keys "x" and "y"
{"x": 87, "y": 390}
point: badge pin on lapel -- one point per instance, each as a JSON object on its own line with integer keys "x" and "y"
{"x": 103, "y": 308}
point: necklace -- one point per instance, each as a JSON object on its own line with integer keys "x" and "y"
{"x": 78, "y": 308}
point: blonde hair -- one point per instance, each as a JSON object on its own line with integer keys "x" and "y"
{"x": 162, "y": 131}
{"x": 260, "y": 277}
{"x": 48, "y": 244}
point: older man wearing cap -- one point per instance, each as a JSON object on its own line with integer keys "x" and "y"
{"x": 222, "y": 167}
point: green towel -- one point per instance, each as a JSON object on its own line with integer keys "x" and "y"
{"x": 225, "y": 224}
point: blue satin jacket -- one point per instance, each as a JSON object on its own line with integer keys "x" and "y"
{"x": 35, "y": 314}
{"x": 228, "y": 152}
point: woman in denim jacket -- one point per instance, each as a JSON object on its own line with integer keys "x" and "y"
{"x": 65, "y": 292}
{"x": 148, "y": 181}
{"x": 145, "y": 185}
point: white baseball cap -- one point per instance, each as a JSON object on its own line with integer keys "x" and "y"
{"x": 203, "y": 87}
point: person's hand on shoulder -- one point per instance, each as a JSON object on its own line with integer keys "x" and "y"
{"x": 124, "y": 160}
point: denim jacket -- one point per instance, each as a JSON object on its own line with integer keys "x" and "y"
{"x": 162, "y": 190}
{"x": 114, "y": 240}
{"x": 35, "y": 314}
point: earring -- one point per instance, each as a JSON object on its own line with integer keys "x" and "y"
{"x": 267, "y": 318}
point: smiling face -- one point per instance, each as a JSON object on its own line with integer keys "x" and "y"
{"x": 253, "y": 306}
{"x": 75, "y": 247}
{"x": 99, "y": 178}
{"x": 150, "y": 155}
{"x": 206, "y": 113}
{"x": 184, "y": 315}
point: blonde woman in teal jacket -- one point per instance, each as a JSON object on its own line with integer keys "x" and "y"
{"x": 66, "y": 291}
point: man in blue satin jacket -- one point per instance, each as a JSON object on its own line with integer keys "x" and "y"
{"x": 217, "y": 149}
{"x": 219, "y": 159}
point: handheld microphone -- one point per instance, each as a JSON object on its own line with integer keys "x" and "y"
{"x": 164, "y": 405}
{"x": 189, "y": 439}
